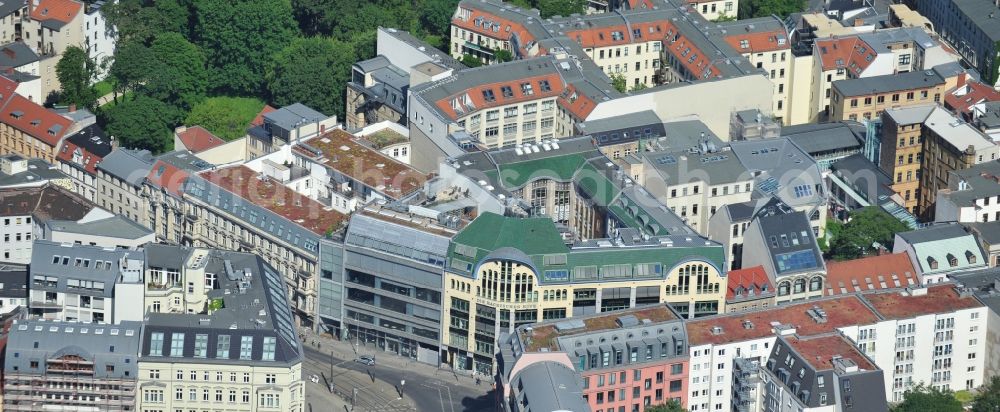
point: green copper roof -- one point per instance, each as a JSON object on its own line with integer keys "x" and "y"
{"x": 515, "y": 175}
{"x": 490, "y": 232}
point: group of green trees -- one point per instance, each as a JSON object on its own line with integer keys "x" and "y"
{"x": 763, "y": 8}
{"x": 927, "y": 399}
{"x": 214, "y": 61}
{"x": 868, "y": 228}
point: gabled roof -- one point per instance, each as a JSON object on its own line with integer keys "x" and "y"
{"x": 34, "y": 120}
{"x": 850, "y": 53}
{"x": 972, "y": 93}
{"x": 129, "y": 165}
{"x": 748, "y": 284}
{"x": 89, "y": 144}
{"x": 16, "y": 54}
{"x": 259, "y": 119}
{"x": 870, "y": 273}
{"x": 62, "y": 11}
{"x": 198, "y": 139}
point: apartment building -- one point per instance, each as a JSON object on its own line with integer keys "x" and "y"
{"x": 989, "y": 242}
{"x": 781, "y": 241}
{"x": 54, "y": 26}
{"x": 871, "y": 273}
{"x": 748, "y": 289}
{"x": 530, "y": 381}
{"x": 235, "y": 344}
{"x": 971, "y": 195}
{"x": 969, "y": 27}
{"x": 71, "y": 366}
{"x": 783, "y": 169}
{"x": 718, "y": 343}
{"x": 938, "y": 250}
{"x": 83, "y": 283}
{"x": 13, "y": 288}
{"x": 647, "y": 364}
{"x": 79, "y": 156}
{"x": 393, "y": 271}
{"x": 31, "y": 209}
{"x": 99, "y": 37}
{"x": 831, "y": 373}
{"x": 285, "y": 126}
{"x": 729, "y": 224}
{"x": 22, "y": 66}
{"x": 857, "y": 99}
{"x": 938, "y": 143}
{"x": 695, "y": 182}
{"x": 767, "y": 44}
{"x": 716, "y": 9}
{"x": 497, "y": 280}
{"x": 120, "y": 178}
{"x": 28, "y": 129}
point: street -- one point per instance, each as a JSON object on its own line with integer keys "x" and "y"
{"x": 424, "y": 387}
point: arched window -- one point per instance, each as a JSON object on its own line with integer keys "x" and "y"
{"x": 800, "y": 286}
{"x": 783, "y": 288}
{"x": 816, "y": 283}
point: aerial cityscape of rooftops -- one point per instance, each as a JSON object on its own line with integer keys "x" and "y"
{"x": 500, "y": 205}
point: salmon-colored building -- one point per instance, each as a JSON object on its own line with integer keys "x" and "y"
{"x": 625, "y": 360}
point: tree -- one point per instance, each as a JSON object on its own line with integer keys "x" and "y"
{"x": 225, "y": 117}
{"x": 75, "y": 71}
{"x": 143, "y": 123}
{"x": 471, "y": 61}
{"x": 131, "y": 67}
{"x": 988, "y": 397}
{"x": 178, "y": 75}
{"x": 238, "y": 38}
{"x": 638, "y": 87}
{"x": 671, "y": 406}
{"x": 618, "y": 82}
{"x": 867, "y": 226}
{"x": 926, "y": 399}
{"x": 143, "y": 20}
{"x": 503, "y": 55}
{"x": 549, "y": 8}
{"x": 313, "y": 71}
{"x": 765, "y": 8}
{"x": 435, "y": 15}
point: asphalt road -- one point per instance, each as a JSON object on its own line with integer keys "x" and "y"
{"x": 428, "y": 392}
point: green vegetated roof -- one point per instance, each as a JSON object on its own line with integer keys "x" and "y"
{"x": 600, "y": 189}
{"x": 518, "y": 174}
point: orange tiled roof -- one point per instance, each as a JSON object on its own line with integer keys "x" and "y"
{"x": 975, "y": 93}
{"x": 507, "y": 27}
{"x": 259, "y": 119}
{"x": 296, "y": 207}
{"x": 748, "y": 279}
{"x": 819, "y": 351}
{"x": 938, "y": 299}
{"x": 167, "y": 176}
{"x": 90, "y": 160}
{"x": 34, "y": 120}
{"x": 840, "y": 311}
{"x": 850, "y": 53}
{"x": 198, "y": 139}
{"x": 60, "y": 10}
{"x": 871, "y": 273}
{"x": 759, "y": 42}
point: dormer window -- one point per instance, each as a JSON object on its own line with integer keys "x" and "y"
{"x": 932, "y": 263}
{"x": 971, "y": 257}
{"x": 952, "y": 260}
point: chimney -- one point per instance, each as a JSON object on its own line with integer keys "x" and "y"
{"x": 72, "y": 108}
{"x": 859, "y": 22}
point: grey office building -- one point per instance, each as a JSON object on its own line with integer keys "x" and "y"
{"x": 393, "y": 267}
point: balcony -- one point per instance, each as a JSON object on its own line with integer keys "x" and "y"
{"x": 45, "y": 304}
{"x": 163, "y": 285}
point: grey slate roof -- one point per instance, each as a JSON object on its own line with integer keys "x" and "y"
{"x": 785, "y": 169}
{"x": 16, "y": 54}
{"x": 256, "y": 308}
{"x": 817, "y": 138}
{"x": 864, "y": 176}
{"x": 114, "y": 226}
{"x": 988, "y": 232}
{"x": 680, "y": 167}
{"x": 790, "y": 242}
{"x": 982, "y": 14}
{"x": 80, "y": 262}
{"x": 888, "y": 83}
{"x": 437, "y": 56}
{"x": 37, "y": 340}
{"x": 984, "y": 283}
{"x": 396, "y": 239}
{"x": 933, "y": 233}
{"x": 287, "y": 117}
{"x": 13, "y": 280}
{"x": 38, "y": 171}
{"x": 129, "y": 165}
{"x": 982, "y": 182}
{"x": 549, "y": 386}
{"x": 92, "y": 139}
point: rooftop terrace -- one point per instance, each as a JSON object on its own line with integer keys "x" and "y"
{"x": 339, "y": 151}
{"x": 938, "y": 299}
{"x": 820, "y": 351}
{"x": 546, "y": 336}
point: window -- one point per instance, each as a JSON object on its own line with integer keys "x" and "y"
{"x": 222, "y": 348}
{"x": 246, "y": 346}
{"x": 270, "y": 378}
{"x": 200, "y": 346}
{"x": 269, "y": 344}
{"x": 507, "y": 92}
{"x": 526, "y": 89}
{"x": 177, "y": 345}
{"x": 156, "y": 344}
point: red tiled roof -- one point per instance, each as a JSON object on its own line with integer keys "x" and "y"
{"x": 61, "y": 10}
{"x": 759, "y": 42}
{"x": 688, "y": 55}
{"x": 567, "y": 96}
{"x": 167, "y": 176}
{"x": 746, "y": 280}
{"x": 871, "y": 273}
{"x": 7, "y": 89}
{"x": 850, "y": 53}
{"x": 507, "y": 28}
{"x": 34, "y": 120}
{"x": 259, "y": 119}
{"x": 819, "y": 351}
{"x": 339, "y": 151}
{"x": 972, "y": 93}
{"x": 89, "y": 159}
{"x": 198, "y": 139}
{"x": 841, "y": 311}
{"x": 938, "y": 299}
{"x": 296, "y": 207}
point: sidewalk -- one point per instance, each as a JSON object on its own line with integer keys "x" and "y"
{"x": 347, "y": 350}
